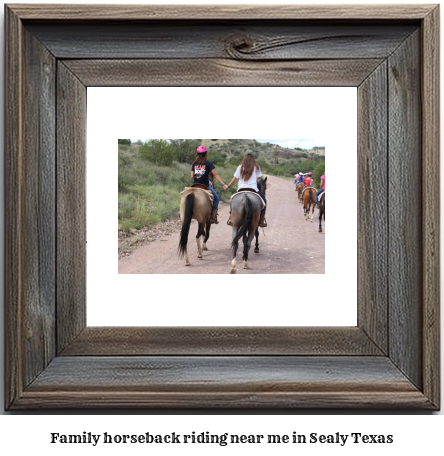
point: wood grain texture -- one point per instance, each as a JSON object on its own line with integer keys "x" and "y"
{"x": 126, "y": 341}
{"x": 71, "y": 206}
{"x": 209, "y": 72}
{"x": 203, "y": 372}
{"x": 235, "y": 40}
{"x": 39, "y": 233}
{"x": 372, "y": 207}
{"x": 430, "y": 93}
{"x": 13, "y": 209}
{"x": 405, "y": 209}
{"x": 220, "y": 12}
{"x": 233, "y": 382}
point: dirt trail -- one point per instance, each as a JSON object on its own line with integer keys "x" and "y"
{"x": 291, "y": 245}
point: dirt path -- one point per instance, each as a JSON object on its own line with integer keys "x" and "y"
{"x": 291, "y": 245}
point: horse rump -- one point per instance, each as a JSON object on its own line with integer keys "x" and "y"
{"x": 186, "y": 222}
{"x": 246, "y": 222}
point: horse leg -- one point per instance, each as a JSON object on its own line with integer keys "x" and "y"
{"x": 247, "y": 246}
{"x": 235, "y": 247}
{"x": 320, "y": 220}
{"x": 312, "y": 213}
{"x": 200, "y": 233}
{"x": 256, "y": 248}
{"x": 244, "y": 241}
{"x": 207, "y": 235}
{"x": 187, "y": 261}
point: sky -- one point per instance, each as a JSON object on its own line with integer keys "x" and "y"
{"x": 290, "y": 143}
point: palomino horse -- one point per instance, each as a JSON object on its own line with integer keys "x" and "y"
{"x": 308, "y": 198}
{"x": 299, "y": 188}
{"x": 321, "y": 210}
{"x": 195, "y": 204}
{"x": 246, "y": 210}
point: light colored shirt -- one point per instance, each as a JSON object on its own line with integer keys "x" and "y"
{"x": 251, "y": 183}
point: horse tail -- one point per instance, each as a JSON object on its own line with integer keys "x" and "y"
{"x": 246, "y": 222}
{"x": 189, "y": 204}
{"x": 311, "y": 197}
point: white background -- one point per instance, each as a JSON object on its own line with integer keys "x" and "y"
{"x": 415, "y": 433}
{"x": 327, "y": 114}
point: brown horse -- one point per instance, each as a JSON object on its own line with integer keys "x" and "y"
{"x": 299, "y": 188}
{"x": 309, "y": 199}
{"x": 195, "y": 204}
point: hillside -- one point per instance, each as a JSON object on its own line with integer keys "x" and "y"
{"x": 265, "y": 151}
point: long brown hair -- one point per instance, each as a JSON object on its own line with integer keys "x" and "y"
{"x": 247, "y": 167}
{"x": 200, "y": 159}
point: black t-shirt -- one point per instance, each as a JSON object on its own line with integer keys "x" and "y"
{"x": 202, "y": 172}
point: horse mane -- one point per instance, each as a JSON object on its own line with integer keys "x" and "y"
{"x": 261, "y": 185}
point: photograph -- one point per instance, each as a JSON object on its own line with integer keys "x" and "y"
{"x": 233, "y": 196}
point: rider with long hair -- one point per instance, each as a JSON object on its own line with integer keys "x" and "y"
{"x": 248, "y": 173}
{"x": 201, "y": 169}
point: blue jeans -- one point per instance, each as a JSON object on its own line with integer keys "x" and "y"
{"x": 216, "y": 198}
{"x": 265, "y": 201}
{"x": 317, "y": 195}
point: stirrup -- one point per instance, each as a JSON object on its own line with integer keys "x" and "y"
{"x": 213, "y": 217}
{"x": 263, "y": 223}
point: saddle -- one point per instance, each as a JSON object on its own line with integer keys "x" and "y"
{"x": 321, "y": 195}
{"x": 303, "y": 190}
{"x": 249, "y": 190}
{"x": 201, "y": 188}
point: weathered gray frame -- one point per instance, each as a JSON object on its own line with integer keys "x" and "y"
{"x": 390, "y": 360}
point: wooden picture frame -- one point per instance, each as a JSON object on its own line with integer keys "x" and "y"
{"x": 390, "y": 360}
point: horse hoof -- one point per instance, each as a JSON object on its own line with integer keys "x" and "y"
{"x": 187, "y": 264}
{"x": 256, "y": 250}
{"x": 200, "y": 257}
{"x": 233, "y": 271}
{"x": 204, "y": 247}
{"x": 320, "y": 231}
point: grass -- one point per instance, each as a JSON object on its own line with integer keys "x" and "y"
{"x": 150, "y": 194}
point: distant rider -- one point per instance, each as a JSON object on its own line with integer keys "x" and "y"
{"x": 322, "y": 189}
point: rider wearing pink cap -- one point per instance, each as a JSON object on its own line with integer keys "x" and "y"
{"x": 296, "y": 181}
{"x": 308, "y": 181}
{"x": 201, "y": 169}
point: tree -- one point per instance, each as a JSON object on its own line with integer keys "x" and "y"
{"x": 158, "y": 151}
{"x": 185, "y": 149}
{"x": 318, "y": 172}
{"x": 126, "y": 142}
{"x": 216, "y": 158}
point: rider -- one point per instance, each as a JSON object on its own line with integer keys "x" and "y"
{"x": 322, "y": 189}
{"x": 308, "y": 181}
{"x": 248, "y": 173}
{"x": 296, "y": 181}
{"x": 200, "y": 173}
